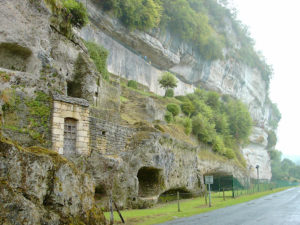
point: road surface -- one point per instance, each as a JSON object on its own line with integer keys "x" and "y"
{"x": 281, "y": 208}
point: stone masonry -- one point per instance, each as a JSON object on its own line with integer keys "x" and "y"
{"x": 108, "y": 138}
{"x": 70, "y": 108}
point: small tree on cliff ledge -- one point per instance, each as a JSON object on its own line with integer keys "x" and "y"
{"x": 167, "y": 81}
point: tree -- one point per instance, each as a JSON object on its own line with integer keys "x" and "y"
{"x": 168, "y": 81}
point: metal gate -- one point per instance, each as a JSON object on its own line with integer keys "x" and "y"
{"x": 70, "y": 136}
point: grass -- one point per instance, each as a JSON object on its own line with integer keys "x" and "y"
{"x": 165, "y": 212}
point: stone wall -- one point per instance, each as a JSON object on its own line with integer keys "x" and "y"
{"x": 108, "y": 138}
{"x": 67, "y": 107}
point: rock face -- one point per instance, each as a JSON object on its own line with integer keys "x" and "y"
{"x": 255, "y": 154}
{"x": 142, "y": 163}
{"x": 38, "y": 186}
{"x": 136, "y": 163}
{"x": 167, "y": 52}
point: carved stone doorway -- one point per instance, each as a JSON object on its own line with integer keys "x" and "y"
{"x": 70, "y": 133}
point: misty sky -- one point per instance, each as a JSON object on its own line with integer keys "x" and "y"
{"x": 274, "y": 25}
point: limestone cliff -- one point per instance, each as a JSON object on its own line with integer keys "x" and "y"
{"x": 40, "y": 65}
{"x": 167, "y": 52}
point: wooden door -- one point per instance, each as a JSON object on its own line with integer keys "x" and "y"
{"x": 70, "y": 133}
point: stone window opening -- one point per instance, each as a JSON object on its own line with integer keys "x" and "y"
{"x": 70, "y": 136}
{"x": 103, "y": 133}
{"x": 150, "y": 181}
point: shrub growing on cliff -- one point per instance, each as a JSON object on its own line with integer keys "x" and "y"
{"x": 187, "y": 124}
{"x": 76, "y": 13}
{"x": 168, "y": 117}
{"x": 132, "y": 84}
{"x": 240, "y": 122}
{"x": 173, "y": 108}
{"x": 187, "y": 108}
{"x": 135, "y": 14}
{"x": 203, "y": 129}
{"x": 99, "y": 55}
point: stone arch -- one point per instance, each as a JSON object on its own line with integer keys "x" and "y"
{"x": 70, "y": 136}
{"x": 14, "y": 56}
{"x": 150, "y": 181}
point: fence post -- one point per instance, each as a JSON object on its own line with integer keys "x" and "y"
{"x": 223, "y": 194}
{"x": 178, "y": 204}
{"x": 111, "y": 210}
{"x": 209, "y": 195}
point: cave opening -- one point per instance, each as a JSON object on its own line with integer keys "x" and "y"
{"x": 171, "y": 195}
{"x": 150, "y": 181}
{"x": 100, "y": 192}
{"x": 74, "y": 89}
{"x": 14, "y": 56}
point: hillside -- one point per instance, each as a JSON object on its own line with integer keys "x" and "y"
{"x": 107, "y": 137}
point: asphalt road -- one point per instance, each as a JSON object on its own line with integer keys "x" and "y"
{"x": 282, "y": 208}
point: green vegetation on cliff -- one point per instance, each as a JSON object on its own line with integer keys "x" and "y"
{"x": 223, "y": 122}
{"x": 203, "y": 23}
{"x": 99, "y": 56}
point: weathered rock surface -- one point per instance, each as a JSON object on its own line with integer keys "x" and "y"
{"x": 38, "y": 186}
{"x": 256, "y": 154}
{"x": 166, "y": 52}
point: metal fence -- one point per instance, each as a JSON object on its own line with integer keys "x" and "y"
{"x": 225, "y": 187}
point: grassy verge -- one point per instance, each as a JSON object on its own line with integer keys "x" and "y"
{"x": 168, "y": 211}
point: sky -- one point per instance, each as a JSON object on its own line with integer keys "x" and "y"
{"x": 275, "y": 27}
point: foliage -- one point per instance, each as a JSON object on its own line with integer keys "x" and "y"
{"x": 99, "y": 56}
{"x": 213, "y": 99}
{"x": 167, "y": 81}
{"x": 223, "y": 124}
{"x": 218, "y": 145}
{"x": 169, "y": 93}
{"x": 168, "y": 117}
{"x": 173, "y": 108}
{"x": 10, "y": 99}
{"x": 285, "y": 169}
{"x": 240, "y": 122}
{"x": 187, "y": 108}
{"x": 272, "y": 139}
{"x": 229, "y": 153}
{"x": 132, "y": 84}
{"x": 203, "y": 129}
{"x": 135, "y": 14}
{"x": 39, "y": 109}
{"x": 76, "y": 13}
{"x": 187, "y": 123}
{"x": 192, "y": 25}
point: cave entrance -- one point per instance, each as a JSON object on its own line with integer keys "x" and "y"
{"x": 14, "y": 56}
{"x": 171, "y": 195}
{"x": 70, "y": 133}
{"x": 150, "y": 181}
{"x": 74, "y": 89}
{"x": 100, "y": 192}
